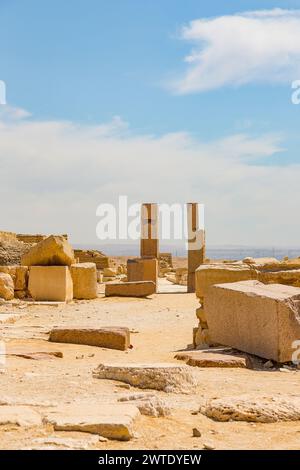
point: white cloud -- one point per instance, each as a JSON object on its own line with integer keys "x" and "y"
{"x": 258, "y": 46}
{"x": 54, "y": 174}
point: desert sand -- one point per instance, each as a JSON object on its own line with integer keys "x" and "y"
{"x": 160, "y": 327}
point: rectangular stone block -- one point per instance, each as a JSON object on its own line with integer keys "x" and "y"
{"x": 84, "y": 276}
{"x": 219, "y": 273}
{"x": 53, "y": 251}
{"x": 130, "y": 289}
{"x": 50, "y": 283}
{"x": 259, "y": 319}
{"x": 105, "y": 337}
{"x": 142, "y": 269}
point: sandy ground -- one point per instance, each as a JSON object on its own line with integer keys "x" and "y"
{"x": 161, "y": 326}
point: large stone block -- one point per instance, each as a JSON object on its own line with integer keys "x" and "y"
{"x": 259, "y": 319}
{"x": 105, "y": 337}
{"x": 219, "y": 273}
{"x": 6, "y": 286}
{"x": 142, "y": 269}
{"x": 53, "y": 251}
{"x": 130, "y": 289}
{"x": 51, "y": 283}
{"x": 84, "y": 276}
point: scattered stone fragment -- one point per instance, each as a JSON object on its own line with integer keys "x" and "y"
{"x": 38, "y": 355}
{"x": 148, "y": 404}
{"x": 105, "y": 337}
{"x": 196, "y": 432}
{"x": 208, "y": 446}
{"x": 253, "y": 408}
{"x": 111, "y": 421}
{"x": 160, "y": 376}
{"x": 19, "y": 415}
{"x": 213, "y": 359}
{"x": 130, "y": 289}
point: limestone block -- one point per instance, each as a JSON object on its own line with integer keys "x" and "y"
{"x": 160, "y": 376}
{"x": 53, "y": 251}
{"x": 130, "y": 289}
{"x": 142, "y": 269}
{"x": 270, "y": 263}
{"x": 148, "y": 404}
{"x": 105, "y": 337}
{"x": 84, "y": 277}
{"x": 50, "y": 283}
{"x": 265, "y": 409}
{"x": 256, "y": 318}
{"x": 113, "y": 421}
{"x": 219, "y": 273}
{"x": 6, "y": 286}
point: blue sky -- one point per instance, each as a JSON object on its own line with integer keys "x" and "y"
{"x": 87, "y": 61}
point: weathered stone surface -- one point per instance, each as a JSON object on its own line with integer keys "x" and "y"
{"x": 50, "y": 283}
{"x": 148, "y": 404}
{"x": 130, "y": 289}
{"x": 112, "y": 421}
{"x": 105, "y": 337}
{"x": 6, "y": 286}
{"x": 267, "y": 409}
{"x": 161, "y": 376}
{"x": 259, "y": 319}
{"x": 19, "y": 415}
{"x": 53, "y": 251}
{"x": 290, "y": 277}
{"x": 84, "y": 276}
{"x": 213, "y": 359}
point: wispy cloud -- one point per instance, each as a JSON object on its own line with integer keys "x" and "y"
{"x": 55, "y": 173}
{"x": 258, "y": 46}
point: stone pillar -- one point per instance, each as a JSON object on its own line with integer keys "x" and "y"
{"x": 196, "y": 242}
{"x": 149, "y": 231}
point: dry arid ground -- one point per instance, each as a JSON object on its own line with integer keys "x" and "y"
{"x": 161, "y": 326}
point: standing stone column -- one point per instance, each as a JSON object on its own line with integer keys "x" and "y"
{"x": 149, "y": 231}
{"x": 196, "y": 242}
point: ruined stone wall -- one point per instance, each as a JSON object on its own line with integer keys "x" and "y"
{"x": 92, "y": 256}
{"x": 34, "y": 238}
